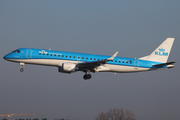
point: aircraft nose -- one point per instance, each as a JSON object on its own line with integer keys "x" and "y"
{"x": 6, "y": 57}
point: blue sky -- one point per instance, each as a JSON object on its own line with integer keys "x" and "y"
{"x": 134, "y": 28}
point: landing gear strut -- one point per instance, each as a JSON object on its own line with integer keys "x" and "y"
{"x": 87, "y": 75}
{"x": 22, "y": 69}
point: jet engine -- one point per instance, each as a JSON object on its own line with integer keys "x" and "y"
{"x": 67, "y": 68}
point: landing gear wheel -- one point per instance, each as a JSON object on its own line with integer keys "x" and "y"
{"x": 85, "y": 77}
{"x": 88, "y": 76}
{"x": 21, "y": 69}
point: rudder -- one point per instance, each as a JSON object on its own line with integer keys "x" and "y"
{"x": 161, "y": 53}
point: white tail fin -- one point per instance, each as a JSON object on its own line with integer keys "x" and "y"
{"x": 161, "y": 53}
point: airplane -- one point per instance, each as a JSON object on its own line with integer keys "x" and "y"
{"x": 70, "y": 62}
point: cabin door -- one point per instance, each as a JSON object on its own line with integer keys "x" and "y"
{"x": 29, "y": 53}
{"x": 136, "y": 63}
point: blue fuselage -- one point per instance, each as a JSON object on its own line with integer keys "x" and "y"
{"x": 25, "y": 55}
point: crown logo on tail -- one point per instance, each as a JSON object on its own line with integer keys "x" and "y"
{"x": 161, "y": 49}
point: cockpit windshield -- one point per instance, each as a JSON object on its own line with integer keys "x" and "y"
{"x": 16, "y": 51}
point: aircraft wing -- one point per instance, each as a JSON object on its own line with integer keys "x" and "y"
{"x": 94, "y": 64}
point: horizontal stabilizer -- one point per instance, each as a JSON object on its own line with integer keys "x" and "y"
{"x": 163, "y": 64}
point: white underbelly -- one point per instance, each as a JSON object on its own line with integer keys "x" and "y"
{"x": 103, "y": 68}
{"x": 123, "y": 69}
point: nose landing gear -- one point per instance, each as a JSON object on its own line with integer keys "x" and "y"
{"x": 22, "y": 69}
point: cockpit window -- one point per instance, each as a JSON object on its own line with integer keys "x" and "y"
{"x": 16, "y": 51}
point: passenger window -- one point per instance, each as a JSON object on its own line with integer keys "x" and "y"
{"x": 78, "y": 57}
{"x": 51, "y": 54}
{"x": 94, "y": 58}
{"x": 74, "y": 57}
{"x": 119, "y": 61}
{"x": 47, "y": 54}
{"x": 86, "y": 58}
{"x": 43, "y": 54}
{"x": 66, "y": 56}
{"x": 39, "y": 53}
{"x": 123, "y": 61}
{"x": 58, "y": 55}
{"x": 69, "y": 56}
{"x": 62, "y": 55}
{"x": 82, "y": 57}
{"x": 90, "y": 58}
{"x": 115, "y": 61}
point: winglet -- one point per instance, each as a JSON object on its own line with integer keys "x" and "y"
{"x": 111, "y": 58}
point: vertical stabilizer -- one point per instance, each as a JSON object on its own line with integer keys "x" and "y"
{"x": 161, "y": 53}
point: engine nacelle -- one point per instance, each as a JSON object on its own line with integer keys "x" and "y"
{"x": 67, "y": 68}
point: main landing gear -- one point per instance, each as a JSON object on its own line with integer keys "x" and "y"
{"x": 87, "y": 75}
{"x": 22, "y": 69}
